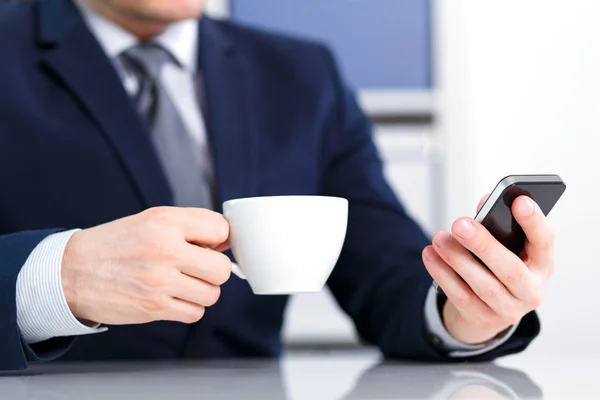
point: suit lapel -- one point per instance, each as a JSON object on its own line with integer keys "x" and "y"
{"x": 71, "y": 53}
{"x": 231, "y": 116}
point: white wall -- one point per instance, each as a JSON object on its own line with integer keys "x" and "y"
{"x": 520, "y": 93}
{"x": 217, "y": 8}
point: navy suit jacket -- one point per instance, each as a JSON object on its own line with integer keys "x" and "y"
{"x": 74, "y": 153}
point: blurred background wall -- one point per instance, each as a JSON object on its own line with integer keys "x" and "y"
{"x": 518, "y": 90}
{"x": 463, "y": 93}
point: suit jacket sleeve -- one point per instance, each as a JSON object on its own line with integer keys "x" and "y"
{"x": 15, "y": 353}
{"x": 380, "y": 279}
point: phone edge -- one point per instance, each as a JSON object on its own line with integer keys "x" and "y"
{"x": 510, "y": 180}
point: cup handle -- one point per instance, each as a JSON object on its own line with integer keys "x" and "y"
{"x": 237, "y": 270}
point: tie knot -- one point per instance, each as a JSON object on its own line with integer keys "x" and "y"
{"x": 150, "y": 58}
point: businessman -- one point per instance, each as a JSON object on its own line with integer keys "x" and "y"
{"x": 124, "y": 124}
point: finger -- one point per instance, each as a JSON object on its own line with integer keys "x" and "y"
{"x": 222, "y": 247}
{"x": 482, "y": 201}
{"x": 539, "y": 233}
{"x": 202, "y": 226}
{"x": 205, "y": 264}
{"x": 184, "y": 311}
{"x": 197, "y": 225}
{"x": 455, "y": 288}
{"x": 194, "y": 290}
{"x": 505, "y": 265}
{"x": 483, "y": 283}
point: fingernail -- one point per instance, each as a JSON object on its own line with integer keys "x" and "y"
{"x": 465, "y": 229}
{"x": 429, "y": 254}
{"x": 442, "y": 239}
{"x": 526, "y": 206}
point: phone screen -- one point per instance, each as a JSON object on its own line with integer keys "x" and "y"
{"x": 503, "y": 226}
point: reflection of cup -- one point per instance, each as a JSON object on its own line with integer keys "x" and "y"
{"x": 286, "y": 244}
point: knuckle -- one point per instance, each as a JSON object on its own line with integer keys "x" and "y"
{"x": 215, "y": 268}
{"x": 535, "y": 301}
{"x": 152, "y": 280}
{"x": 463, "y": 299}
{"x": 491, "y": 292}
{"x": 158, "y": 213}
{"x": 515, "y": 273}
{"x": 482, "y": 244}
{"x": 222, "y": 270}
{"x": 452, "y": 259}
{"x": 212, "y": 295}
{"x": 153, "y": 305}
{"x": 217, "y": 227}
{"x": 221, "y": 230}
{"x": 193, "y": 314}
{"x": 160, "y": 250}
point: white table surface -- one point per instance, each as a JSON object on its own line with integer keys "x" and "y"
{"x": 310, "y": 375}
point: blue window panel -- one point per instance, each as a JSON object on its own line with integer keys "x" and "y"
{"x": 378, "y": 43}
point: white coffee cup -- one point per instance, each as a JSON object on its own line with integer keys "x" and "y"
{"x": 286, "y": 244}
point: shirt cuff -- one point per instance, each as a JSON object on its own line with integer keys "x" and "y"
{"x": 42, "y": 309}
{"x": 443, "y": 339}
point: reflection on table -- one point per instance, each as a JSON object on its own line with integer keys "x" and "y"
{"x": 464, "y": 381}
{"x": 315, "y": 376}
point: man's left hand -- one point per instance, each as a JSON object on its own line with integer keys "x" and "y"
{"x": 483, "y": 302}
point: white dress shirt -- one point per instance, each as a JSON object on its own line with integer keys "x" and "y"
{"x": 42, "y": 310}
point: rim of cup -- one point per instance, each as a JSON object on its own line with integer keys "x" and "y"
{"x": 286, "y": 197}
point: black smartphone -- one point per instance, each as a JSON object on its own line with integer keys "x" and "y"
{"x": 496, "y": 216}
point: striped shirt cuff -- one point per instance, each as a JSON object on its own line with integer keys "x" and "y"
{"x": 42, "y": 310}
{"x": 442, "y": 337}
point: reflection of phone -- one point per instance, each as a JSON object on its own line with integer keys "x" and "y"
{"x": 495, "y": 215}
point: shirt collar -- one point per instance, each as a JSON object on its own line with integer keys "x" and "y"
{"x": 179, "y": 38}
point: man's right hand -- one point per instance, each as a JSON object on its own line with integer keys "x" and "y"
{"x": 156, "y": 265}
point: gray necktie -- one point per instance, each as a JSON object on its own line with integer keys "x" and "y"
{"x": 170, "y": 137}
